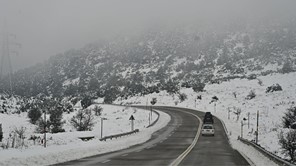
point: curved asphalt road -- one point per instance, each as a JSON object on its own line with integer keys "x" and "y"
{"x": 171, "y": 146}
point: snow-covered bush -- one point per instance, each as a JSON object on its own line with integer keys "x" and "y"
{"x": 260, "y": 82}
{"x": 34, "y": 115}
{"x": 289, "y": 118}
{"x": 251, "y": 95}
{"x": 214, "y": 99}
{"x": 153, "y": 101}
{"x": 56, "y": 120}
{"x": 272, "y": 88}
{"x": 83, "y": 120}
{"x": 288, "y": 143}
{"x": 252, "y": 77}
{"x": 85, "y": 102}
{"x": 182, "y": 97}
{"x": 198, "y": 87}
{"x": 42, "y": 125}
{"x": 287, "y": 68}
{"x": 98, "y": 110}
{"x": 234, "y": 94}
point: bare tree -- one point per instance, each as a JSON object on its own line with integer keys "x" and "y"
{"x": 18, "y": 137}
{"x": 83, "y": 120}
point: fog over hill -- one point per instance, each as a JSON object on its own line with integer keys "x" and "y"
{"x": 163, "y": 58}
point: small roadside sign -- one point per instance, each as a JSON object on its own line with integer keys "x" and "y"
{"x": 132, "y": 124}
{"x": 132, "y": 118}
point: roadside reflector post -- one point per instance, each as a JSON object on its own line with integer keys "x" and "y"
{"x": 132, "y": 122}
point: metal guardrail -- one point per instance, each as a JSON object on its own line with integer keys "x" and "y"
{"x": 271, "y": 156}
{"x": 118, "y": 135}
{"x": 153, "y": 123}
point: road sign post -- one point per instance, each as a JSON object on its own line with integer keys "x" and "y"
{"x": 132, "y": 122}
{"x": 151, "y": 113}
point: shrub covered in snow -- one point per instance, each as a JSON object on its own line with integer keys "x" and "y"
{"x": 83, "y": 120}
{"x": 85, "y": 102}
{"x": 198, "y": 87}
{"x": 153, "y": 101}
{"x": 288, "y": 143}
{"x": 287, "y": 67}
{"x": 34, "y": 115}
{"x": 182, "y": 97}
{"x": 214, "y": 99}
{"x": 260, "y": 82}
{"x": 272, "y": 88}
{"x": 98, "y": 110}
{"x": 251, "y": 95}
{"x": 252, "y": 76}
{"x": 56, "y": 120}
{"x": 289, "y": 118}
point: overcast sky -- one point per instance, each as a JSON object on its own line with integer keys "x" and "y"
{"x": 49, "y": 27}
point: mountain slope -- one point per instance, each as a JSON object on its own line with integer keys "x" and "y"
{"x": 161, "y": 60}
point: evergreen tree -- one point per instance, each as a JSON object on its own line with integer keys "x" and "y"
{"x": 34, "y": 114}
{"x": 55, "y": 120}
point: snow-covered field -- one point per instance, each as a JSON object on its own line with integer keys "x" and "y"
{"x": 67, "y": 146}
{"x": 232, "y": 97}
{"x": 271, "y": 106}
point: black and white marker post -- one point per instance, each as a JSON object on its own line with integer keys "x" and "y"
{"x": 132, "y": 122}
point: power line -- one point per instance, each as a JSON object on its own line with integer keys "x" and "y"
{"x": 8, "y": 47}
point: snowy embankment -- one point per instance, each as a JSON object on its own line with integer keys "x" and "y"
{"x": 232, "y": 97}
{"x": 67, "y": 146}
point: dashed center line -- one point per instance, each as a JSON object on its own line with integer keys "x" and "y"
{"x": 124, "y": 155}
{"x": 106, "y": 161}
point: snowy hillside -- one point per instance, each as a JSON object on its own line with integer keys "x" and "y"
{"x": 67, "y": 146}
{"x": 271, "y": 106}
{"x": 162, "y": 59}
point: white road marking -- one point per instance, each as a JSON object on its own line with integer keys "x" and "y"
{"x": 125, "y": 154}
{"x": 106, "y": 161}
{"x": 186, "y": 152}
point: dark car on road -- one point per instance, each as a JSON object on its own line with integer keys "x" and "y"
{"x": 208, "y": 118}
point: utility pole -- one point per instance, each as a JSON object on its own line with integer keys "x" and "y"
{"x": 6, "y": 65}
{"x": 45, "y": 127}
{"x": 242, "y": 128}
{"x": 102, "y": 127}
{"x": 248, "y": 120}
{"x": 257, "y": 132}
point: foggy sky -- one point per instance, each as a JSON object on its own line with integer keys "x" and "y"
{"x": 48, "y": 27}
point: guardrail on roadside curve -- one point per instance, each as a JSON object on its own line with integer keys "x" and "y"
{"x": 154, "y": 122}
{"x": 118, "y": 135}
{"x": 266, "y": 153}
